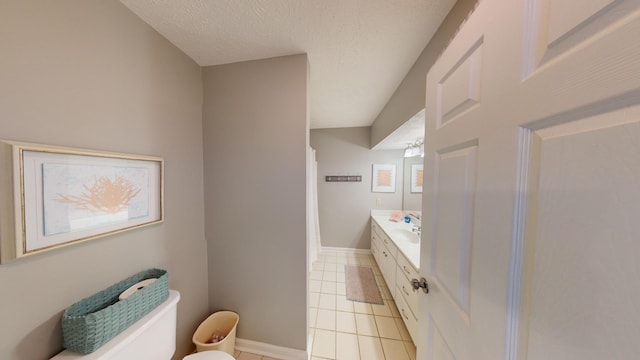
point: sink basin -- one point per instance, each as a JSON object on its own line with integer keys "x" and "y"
{"x": 405, "y": 234}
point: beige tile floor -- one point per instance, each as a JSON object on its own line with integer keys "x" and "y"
{"x": 342, "y": 329}
{"x": 247, "y": 356}
{"x": 350, "y": 330}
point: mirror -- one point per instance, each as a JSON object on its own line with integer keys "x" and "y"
{"x": 408, "y": 133}
{"x": 412, "y": 196}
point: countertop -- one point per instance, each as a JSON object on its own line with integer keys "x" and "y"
{"x": 410, "y": 250}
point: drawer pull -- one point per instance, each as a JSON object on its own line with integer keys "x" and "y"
{"x": 405, "y": 315}
{"x": 405, "y": 290}
{"x": 385, "y": 253}
{"x": 405, "y": 269}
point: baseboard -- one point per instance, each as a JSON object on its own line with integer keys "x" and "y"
{"x": 276, "y": 352}
{"x": 346, "y": 250}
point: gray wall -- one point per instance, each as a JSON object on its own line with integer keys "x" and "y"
{"x": 344, "y": 207}
{"x": 91, "y": 74}
{"x": 255, "y": 138}
{"x": 409, "y": 98}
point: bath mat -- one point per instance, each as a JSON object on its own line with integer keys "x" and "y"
{"x": 361, "y": 285}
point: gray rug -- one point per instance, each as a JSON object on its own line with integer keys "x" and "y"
{"x": 361, "y": 285}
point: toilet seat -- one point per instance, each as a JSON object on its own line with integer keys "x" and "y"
{"x": 209, "y": 355}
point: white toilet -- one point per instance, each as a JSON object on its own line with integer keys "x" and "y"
{"x": 151, "y": 338}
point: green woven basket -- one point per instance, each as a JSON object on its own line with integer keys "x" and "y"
{"x": 91, "y": 322}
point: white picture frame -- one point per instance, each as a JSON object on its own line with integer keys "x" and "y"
{"x": 383, "y": 179}
{"x": 417, "y": 177}
{"x": 61, "y": 196}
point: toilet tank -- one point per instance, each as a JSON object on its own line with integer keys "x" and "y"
{"x": 151, "y": 338}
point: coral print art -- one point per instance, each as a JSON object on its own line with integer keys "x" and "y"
{"x": 63, "y": 196}
{"x": 104, "y": 196}
{"x": 79, "y": 197}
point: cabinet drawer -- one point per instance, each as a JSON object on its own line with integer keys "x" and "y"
{"x": 375, "y": 251}
{"x": 405, "y": 290}
{"x": 375, "y": 240}
{"x": 388, "y": 269}
{"x": 391, "y": 247}
{"x": 375, "y": 228}
{"x": 409, "y": 320}
{"x": 407, "y": 269}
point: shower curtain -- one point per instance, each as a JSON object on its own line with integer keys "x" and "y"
{"x": 313, "y": 221}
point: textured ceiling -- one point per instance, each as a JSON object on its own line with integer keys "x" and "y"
{"x": 359, "y": 50}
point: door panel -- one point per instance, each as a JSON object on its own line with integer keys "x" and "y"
{"x": 451, "y": 253}
{"x": 456, "y": 90}
{"x": 460, "y": 88}
{"x": 440, "y": 348}
{"x": 532, "y": 185}
{"x": 585, "y": 259}
{"x": 567, "y": 264}
{"x": 567, "y": 16}
{"x": 556, "y": 27}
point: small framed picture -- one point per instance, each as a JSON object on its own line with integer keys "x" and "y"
{"x": 384, "y": 178}
{"x": 416, "y": 178}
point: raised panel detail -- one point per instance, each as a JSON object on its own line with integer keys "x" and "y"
{"x": 583, "y": 256}
{"x": 459, "y": 89}
{"x": 553, "y": 27}
{"x": 441, "y": 350}
{"x": 456, "y": 186}
{"x": 569, "y": 15}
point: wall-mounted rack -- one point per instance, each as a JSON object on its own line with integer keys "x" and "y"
{"x": 343, "y": 178}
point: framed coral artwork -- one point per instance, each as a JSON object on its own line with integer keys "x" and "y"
{"x": 61, "y": 196}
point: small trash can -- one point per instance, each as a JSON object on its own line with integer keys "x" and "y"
{"x": 217, "y": 332}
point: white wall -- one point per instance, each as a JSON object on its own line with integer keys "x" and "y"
{"x": 255, "y": 138}
{"x": 91, "y": 74}
{"x": 345, "y": 207}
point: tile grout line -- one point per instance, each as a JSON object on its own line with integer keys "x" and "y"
{"x": 387, "y": 304}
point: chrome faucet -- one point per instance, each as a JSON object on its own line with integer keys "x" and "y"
{"x": 417, "y": 229}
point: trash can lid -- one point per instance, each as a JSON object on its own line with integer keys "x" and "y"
{"x": 209, "y": 355}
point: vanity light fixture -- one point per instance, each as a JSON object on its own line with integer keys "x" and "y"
{"x": 414, "y": 149}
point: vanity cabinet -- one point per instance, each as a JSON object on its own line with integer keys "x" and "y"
{"x": 406, "y": 297}
{"x": 408, "y": 318}
{"x": 389, "y": 268}
{"x": 404, "y": 274}
{"x": 386, "y": 256}
{"x": 375, "y": 246}
{"x": 397, "y": 272}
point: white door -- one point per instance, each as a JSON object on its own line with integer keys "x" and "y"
{"x": 531, "y": 241}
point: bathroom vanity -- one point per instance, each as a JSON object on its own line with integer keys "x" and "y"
{"x": 396, "y": 248}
